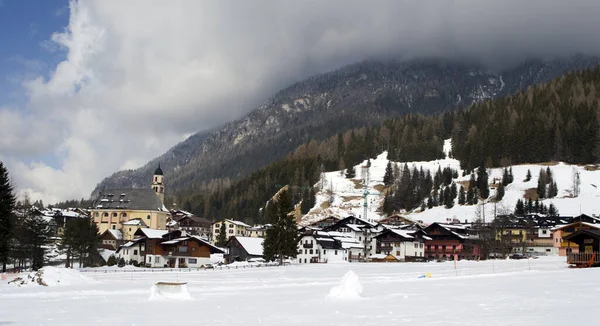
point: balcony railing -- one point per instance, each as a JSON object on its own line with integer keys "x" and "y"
{"x": 584, "y": 258}
{"x": 307, "y": 245}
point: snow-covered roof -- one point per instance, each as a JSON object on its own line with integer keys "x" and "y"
{"x": 592, "y": 225}
{"x": 408, "y": 234}
{"x": 253, "y": 246}
{"x": 238, "y": 223}
{"x": 134, "y": 222}
{"x": 116, "y": 234}
{"x": 153, "y": 233}
{"x": 174, "y": 241}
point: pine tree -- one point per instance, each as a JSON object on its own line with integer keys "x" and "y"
{"x": 461, "y": 196}
{"x": 529, "y": 208}
{"x": 528, "y": 176}
{"x": 500, "y": 191}
{"x": 112, "y": 260}
{"x": 511, "y": 177}
{"x": 469, "y": 199}
{"x": 350, "y": 172}
{"x": 222, "y": 237}
{"x": 7, "y": 206}
{"x": 81, "y": 238}
{"x": 482, "y": 182}
{"x": 552, "y": 210}
{"x": 429, "y": 203}
{"x": 541, "y": 185}
{"x": 282, "y": 238}
{"x": 369, "y": 163}
{"x": 505, "y": 176}
{"x": 520, "y": 208}
{"x": 388, "y": 178}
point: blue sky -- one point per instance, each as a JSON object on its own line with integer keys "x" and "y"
{"x": 26, "y": 27}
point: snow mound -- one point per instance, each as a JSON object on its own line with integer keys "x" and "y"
{"x": 350, "y": 288}
{"x": 53, "y": 276}
{"x": 169, "y": 291}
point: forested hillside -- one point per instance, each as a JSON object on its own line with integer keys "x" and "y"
{"x": 355, "y": 96}
{"x": 558, "y": 120}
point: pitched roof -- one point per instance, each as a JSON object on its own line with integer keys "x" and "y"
{"x": 152, "y": 233}
{"x": 133, "y": 199}
{"x": 116, "y": 234}
{"x": 136, "y": 222}
{"x": 253, "y": 246}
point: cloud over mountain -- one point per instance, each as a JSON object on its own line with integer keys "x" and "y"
{"x": 139, "y": 76}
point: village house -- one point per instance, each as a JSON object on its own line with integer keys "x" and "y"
{"x": 450, "y": 241}
{"x": 404, "y": 245}
{"x": 111, "y": 239}
{"x": 244, "y": 248}
{"x": 320, "y": 247}
{"x": 561, "y": 234}
{"x": 232, "y": 228}
{"x": 258, "y": 231}
{"x": 194, "y": 225}
{"x": 115, "y": 207}
{"x": 325, "y": 222}
{"x": 587, "y": 242}
{"x": 359, "y": 229}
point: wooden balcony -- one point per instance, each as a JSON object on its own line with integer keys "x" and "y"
{"x": 584, "y": 259}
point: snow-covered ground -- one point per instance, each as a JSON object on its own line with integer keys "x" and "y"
{"x": 507, "y": 292}
{"x": 341, "y": 197}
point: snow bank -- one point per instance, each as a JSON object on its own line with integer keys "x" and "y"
{"x": 53, "y": 276}
{"x": 350, "y": 288}
{"x": 170, "y": 292}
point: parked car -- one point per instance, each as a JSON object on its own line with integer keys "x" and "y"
{"x": 518, "y": 256}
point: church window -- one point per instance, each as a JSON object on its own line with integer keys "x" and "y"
{"x": 115, "y": 214}
{"x": 148, "y": 217}
{"x": 105, "y": 214}
{"x": 124, "y": 214}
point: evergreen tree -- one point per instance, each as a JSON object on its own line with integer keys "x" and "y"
{"x": 520, "y": 208}
{"x": 541, "y": 185}
{"x": 81, "y": 239}
{"x": 511, "y": 177}
{"x": 482, "y": 182}
{"x": 350, "y": 172}
{"x": 37, "y": 235}
{"x": 552, "y": 210}
{"x": 282, "y": 238}
{"x": 469, "y": 199}
{"x": 388, "y": 178}
{"x": 222, "y": 237}
{"x": 112, "y": 260}
{"x": 429, "y": 203}
{"x": 500, "y": 191}
{"x": 369, "y": 163}
{"x": 528, "y": 176}
{"x": 505, "y": 176}
{"x": 461, "y": 196}
{"x": 529, "y": 208}
{"x": 453, "y": 191}
{"x": 7, "y": 205}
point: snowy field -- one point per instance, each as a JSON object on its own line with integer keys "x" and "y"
{"x": 520, "y": 292}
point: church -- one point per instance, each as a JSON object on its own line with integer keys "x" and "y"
{"x": 127, "y": 210}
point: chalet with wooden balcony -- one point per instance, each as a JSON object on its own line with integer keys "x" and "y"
{"x": 450, "y": 241}
{"x": 561, "y": 234}
{"x": 404, "y": 245}
{"x": 111, "y": 239}
{"x": 587, "y": 242}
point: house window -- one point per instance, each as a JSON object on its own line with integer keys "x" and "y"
{"x": 149, "y": 259}
{"x": 217, "y": 231}
{"x": 148, "y": 217}
{"x": 135, "y": 252}
{"x": 359, "y": 238}
{"x": 398, "y": 253}
{"x": 335, "y": 252}
{"x": 324, "y": 251}
{"x": 305, "y": 251}
{"x": 216, "y": 226}
{"x": 183, "y": 249}
{"x": 544, "y": 231}
{"x": 114, "y": 227}
{"x": 230, "y": 225}
{"x": 96, "y": 214}
{"x": 311, "y": 251}
{"x": 157, "y": 259}
{"x": 181, "y": 261}
{"x": 129, "y": 229}
{"x": 192, "y": 260}
{"x": 231, "y": 231}
{"x": 305, "y": 260}
{"x": 193, "y": 249}
{"x": 422, "y": 245}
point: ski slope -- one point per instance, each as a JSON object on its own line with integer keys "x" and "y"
{"x": 341, "y": 197}
{"x": 503, "y": 292}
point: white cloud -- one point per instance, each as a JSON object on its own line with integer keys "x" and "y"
{"x": 141, "y": 75}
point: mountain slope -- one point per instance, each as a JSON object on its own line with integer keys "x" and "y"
{"x": 357, "y": 95}
{"x": 340, "y": 196}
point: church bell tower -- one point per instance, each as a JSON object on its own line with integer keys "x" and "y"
{"x": 158, "y": 184}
